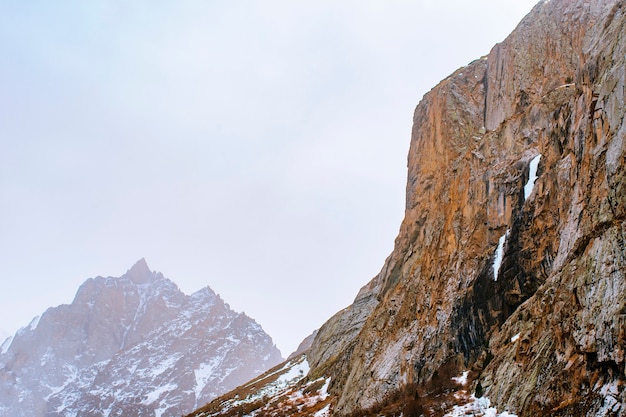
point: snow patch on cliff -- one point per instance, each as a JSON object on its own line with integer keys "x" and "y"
{"x": 324, "y": 390}
{"x": 532, "y": 176}
{"x": 497, "y": 261}
{"x": 156, "y": 394}
{"x": 611, "y": 404}
{"x": 477, "y": 407}
{"x": 461, "y": 379}
{"x": 166, "y": 364}
{"x": 205, "y": 372}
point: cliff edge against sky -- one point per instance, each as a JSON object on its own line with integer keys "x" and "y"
{"x": 510, "y": 261}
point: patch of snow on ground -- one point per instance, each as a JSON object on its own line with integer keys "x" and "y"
{"x": 462, "y": 379}
{"x": 324, "y": 390}
{"x": 497, "y": 261}
{"x": 154, "y": 395}
{"x": 515, "y": 338}
{"x": 478, "y": 407}
{"x": 324, "y": 412}
{"x": 532, "y": 176}
{"x": 297, "y": 372}
{"x": 310, "y": 398}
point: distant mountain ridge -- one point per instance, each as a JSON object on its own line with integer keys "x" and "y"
{"x": 133, "y": 345}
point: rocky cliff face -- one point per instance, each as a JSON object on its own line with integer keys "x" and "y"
{"x": 509, "y": 267}
{"x": 134, "y": 345}
{"x": 521, "y": 281}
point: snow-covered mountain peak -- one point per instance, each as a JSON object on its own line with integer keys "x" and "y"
{"x": 130, "y": 346}
{"x": 204, "y": 293}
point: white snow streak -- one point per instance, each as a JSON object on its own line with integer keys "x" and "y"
{"x": 47, "y": 357}
{"x": 156, "y": 394}
{"x": 204, "y": 373}
{"x": 324, "y": 390}
{"x": 497, "y": 261}
{"x": 324, "y": 412}
{"x": 532, "y": 176}
{"x": 33, "y": 324}
{"x": 5, "y": 346}
{"x": 478, "y": 406}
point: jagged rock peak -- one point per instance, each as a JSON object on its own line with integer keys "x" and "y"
{"x": 138, "y": 278}
{"x": 203, "y": 293}
{"x": 140, "y": 273}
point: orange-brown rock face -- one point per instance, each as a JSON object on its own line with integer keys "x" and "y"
{"x": 511, "y": 259}
{"x": 554, "y": 88}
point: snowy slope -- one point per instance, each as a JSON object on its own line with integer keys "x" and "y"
{"x": 134, "y": 345}
{"x": 283, "y": 390}
{"x": 289, "y": 390}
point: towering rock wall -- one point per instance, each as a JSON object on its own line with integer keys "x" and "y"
{"x": 482, "y": 255}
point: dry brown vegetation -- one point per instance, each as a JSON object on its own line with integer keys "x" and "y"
{"x": 433, "y": 398}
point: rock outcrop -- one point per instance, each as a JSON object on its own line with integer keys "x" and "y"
{"x": 134, "y": 345}
{"x": 509, "y": 267}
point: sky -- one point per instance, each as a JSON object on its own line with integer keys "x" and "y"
{"x": 257, "y": 147}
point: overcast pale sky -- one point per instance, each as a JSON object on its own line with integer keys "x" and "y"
{"x": 258, "y": 147}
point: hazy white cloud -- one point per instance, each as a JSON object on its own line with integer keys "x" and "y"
{"x": 258, "y": 147}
